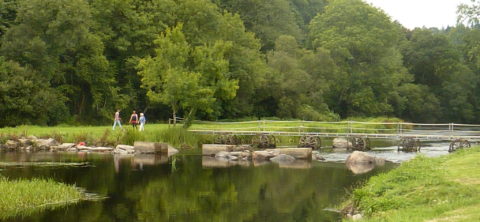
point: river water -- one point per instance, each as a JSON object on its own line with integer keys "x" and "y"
{"x": 188, "y": 187}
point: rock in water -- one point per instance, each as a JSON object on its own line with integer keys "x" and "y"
{"x": 341, "y": 143}
{"x": 11, "y": 144}
{"x": 358, "y": 157}
{"x": 212, "y": 149}
{"x": 172, "y": 150}
{"x": 283, "y": 158}
{"x": 262, "y": 155}
{"x": 361, "y": 162}
{"x": 150, "y": 148}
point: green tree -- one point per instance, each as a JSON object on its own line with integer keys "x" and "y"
{"x": 55, "y": 38}
{"x": 469, "y": 13}
{"x": 187, "y": 77}
{"x": 268, "y": 19}
{"x": 26, "y": 99}
{"x": 298, "y": 85}
{"x": 437, "y": 63}
{"x": 363, "y": 43}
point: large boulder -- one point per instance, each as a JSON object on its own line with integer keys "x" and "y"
{"x": 361, "y": 162}
{"x": 359, "y": 157}
{"x": 213, "y": 149}
{"x": 341, "y": 143}
{"x": 150, "y": 147}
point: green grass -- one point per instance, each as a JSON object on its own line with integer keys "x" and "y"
{"x": 425, "y": 189}
{"x": 24, "y": 197}
{"x": 177, "y": 136}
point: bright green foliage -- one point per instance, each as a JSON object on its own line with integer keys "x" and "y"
{"x": 363, "y": 42}
{"x": 298, "y": 87}
{"x": 187, "y": 77}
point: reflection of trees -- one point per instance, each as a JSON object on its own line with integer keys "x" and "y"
{"x": 239, "y": 194}
{"x": 192, "y": 193}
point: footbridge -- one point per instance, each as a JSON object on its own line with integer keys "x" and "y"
{"x": 409, "y": 135}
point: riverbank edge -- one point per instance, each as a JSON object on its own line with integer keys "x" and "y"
{"x": 26, "y": 196}
{"x": 444, "y": 188}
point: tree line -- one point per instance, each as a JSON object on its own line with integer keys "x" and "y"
{"x": 77, "y": 61}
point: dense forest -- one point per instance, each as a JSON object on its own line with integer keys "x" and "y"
{"x": 77, "y": 61}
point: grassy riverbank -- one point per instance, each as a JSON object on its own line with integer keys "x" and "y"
{"x": 425, "y": 189}
{"x": 23, "y": 197}
{"x": 177, "y": 136}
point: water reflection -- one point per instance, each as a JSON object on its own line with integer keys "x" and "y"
{"x": 190, "y": 188}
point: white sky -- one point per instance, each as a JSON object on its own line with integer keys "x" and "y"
{"x": 419, "y": 13}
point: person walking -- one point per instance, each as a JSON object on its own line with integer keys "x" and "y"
{"x": 142, "y": 122}
{"x": 116, "y": 120}
{"x": 134, "y": 119}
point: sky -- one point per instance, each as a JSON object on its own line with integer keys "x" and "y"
{"x": 419, "y": 13}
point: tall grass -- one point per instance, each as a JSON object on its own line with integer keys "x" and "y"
{"x": 24, "y": 197}
{"x": 425, "y": 189}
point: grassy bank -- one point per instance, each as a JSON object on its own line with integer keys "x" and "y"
{"x": 177, "y": 136}
{"x": 425, "y": 189}
{"x": 23, "y": 197}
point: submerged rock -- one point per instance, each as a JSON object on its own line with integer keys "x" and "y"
{"x": 283, "y": 158}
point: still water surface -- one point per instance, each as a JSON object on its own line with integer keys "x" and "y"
{"x": 192, "y": 188}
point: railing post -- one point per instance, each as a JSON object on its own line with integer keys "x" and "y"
{"x": 349, "y": 127}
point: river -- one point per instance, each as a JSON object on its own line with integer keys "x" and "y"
{"x": 187, "y": 187}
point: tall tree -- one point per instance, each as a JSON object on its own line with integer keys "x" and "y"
{"x": 187, "y": 77}
{"x": 54, "y": 38}
{"x": 26, "y": 99}
{"x": 363, "y": 42}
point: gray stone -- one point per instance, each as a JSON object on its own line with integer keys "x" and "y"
{"x": 222, "y": 154}
{"x": 63, "y": 146}
{"x": 212, "y": 149}
{"x": 150, "y": 147}
{"x": 316, "y": 156}
{"x": 357, "y": 217}
{"x": 11, "y": 144}
{"x": 100, "y": 149}
{"x": 122, "y": 151}
{"x": 242, "y": 148}
{"x": 283, "y": 158}
{"x": 73, "y": 149}
{"x": 262, "y": 155}
{"x": 341, "y": 143}
{"x": 83, "y": 148}
{"x": 172, "y": 151}
{"x": 125, "y": 147}
{"x": 45, "y": 143}
{"x": 360, "y": 157}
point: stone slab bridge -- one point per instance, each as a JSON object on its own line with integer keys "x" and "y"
{"x": 356, "y": 135}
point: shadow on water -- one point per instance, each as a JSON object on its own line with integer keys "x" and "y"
{"x": 184, "y": 188}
